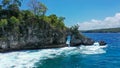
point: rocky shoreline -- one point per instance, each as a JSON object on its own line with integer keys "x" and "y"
{"x": 31, "y": 48}
{"x": 34, "y": 46}
{"x": 42, "y": 47}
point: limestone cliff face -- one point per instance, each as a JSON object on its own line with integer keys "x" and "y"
{"x": 38, "y": 39}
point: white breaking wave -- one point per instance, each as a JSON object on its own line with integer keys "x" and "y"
{"x": 29, "y": 58}
{"x": 91, "y": 50}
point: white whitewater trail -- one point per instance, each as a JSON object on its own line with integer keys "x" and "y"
{"x": 29, "y": 58}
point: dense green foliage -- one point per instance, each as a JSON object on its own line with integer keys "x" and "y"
{"x": 109, "y": 30}
{"x": 14, "y": 21}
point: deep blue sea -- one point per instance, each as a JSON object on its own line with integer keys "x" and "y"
{"x": 68, "y": 57}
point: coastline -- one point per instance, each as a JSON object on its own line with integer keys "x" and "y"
{"x": 107, "y": 30}
{"x": 34, "y": 48}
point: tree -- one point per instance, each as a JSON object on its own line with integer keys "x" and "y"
{"x": 61, "y": 19}
{"x": 3, "y": 23}
{"x": 57, "y": 22}
{"x": 5, "y": 3}
{"x": 13, "y": 7}
{"x": 8, "y": 3}
{"x": 10, "y": 8}
{"x": 75, "y": 31}
{"x": 61, "y": 22}
{"x": 43, "y": 9}
{"x": 54, "y": 20}
{"x": 0, "y": 7}
{"x": 15, "y": 22}
{"x": 37, "y": 7}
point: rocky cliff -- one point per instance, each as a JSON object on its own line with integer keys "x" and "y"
{"x": 33, "y": 38}
{"x": 50, "y": 38}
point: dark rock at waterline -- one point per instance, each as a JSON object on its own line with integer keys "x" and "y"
{"x": 84, "y": 41}
{"x": 75, "y": 42}
{"x": 31, "y": 47}
{"x": 102, "y": 43}
{"x": 87, "y": 41}
{"x": 79, "y": 39}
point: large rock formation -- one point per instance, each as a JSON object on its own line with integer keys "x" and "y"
{"x": 40, "y": 40}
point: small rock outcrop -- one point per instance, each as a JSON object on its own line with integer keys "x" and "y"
{"x": 82, "y": 41}
{"x": 87, "y": 41}
{"x": 102, "y": 43}
{"x": 78, "y": 38}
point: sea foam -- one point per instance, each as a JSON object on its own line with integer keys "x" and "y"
{"x": 27, "y": 59}
{"x": 92, "y": 49}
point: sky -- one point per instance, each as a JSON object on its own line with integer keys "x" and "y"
{"x": 88, "y": 14}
